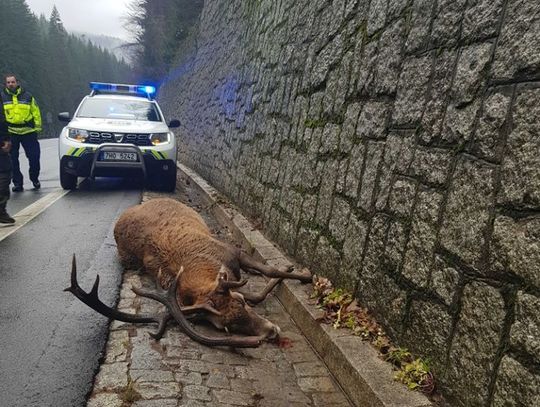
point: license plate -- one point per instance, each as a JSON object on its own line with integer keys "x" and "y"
{"x": 118, "y": 156}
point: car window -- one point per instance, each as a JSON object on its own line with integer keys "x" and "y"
{"x": 119, "y": 109}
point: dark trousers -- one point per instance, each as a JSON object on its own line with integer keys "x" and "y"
{"x": 32, "y": 150}
{"x": 5, "y": 179}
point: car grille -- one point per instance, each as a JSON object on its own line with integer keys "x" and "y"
{"x": 95, "y": 137}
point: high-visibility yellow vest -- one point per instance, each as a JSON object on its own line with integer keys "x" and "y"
{"x": 22, "y": 112}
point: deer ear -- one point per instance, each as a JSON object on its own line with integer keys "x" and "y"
{"x": 223, "y": 275}
{"x": 220, "y": 279}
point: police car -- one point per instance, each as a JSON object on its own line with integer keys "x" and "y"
{"x": 118, "y": 131}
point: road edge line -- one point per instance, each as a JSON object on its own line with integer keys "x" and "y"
{"x": 31, "y": 211}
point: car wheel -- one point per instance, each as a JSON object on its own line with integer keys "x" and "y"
{"x": 164, "y": 181}
{"x": 67, "y": 180}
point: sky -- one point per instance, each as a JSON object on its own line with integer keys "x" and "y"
{"x": 105, "y": 17}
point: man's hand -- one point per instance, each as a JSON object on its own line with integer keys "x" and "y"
{"x": 6, "y": 146}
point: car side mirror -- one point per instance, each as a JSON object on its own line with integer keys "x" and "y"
{"x": 64, "y": 117}
{"x": 174, "y": 123}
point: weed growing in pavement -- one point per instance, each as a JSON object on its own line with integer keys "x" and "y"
{"x": 129, "y": 394}
{"x": 342, "y": 311}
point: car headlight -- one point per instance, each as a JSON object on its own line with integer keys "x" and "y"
{"x": 77, "y": 135}
{"x": 159, "y": 138}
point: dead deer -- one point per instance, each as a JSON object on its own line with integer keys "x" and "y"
{"x": 197, "y": 276}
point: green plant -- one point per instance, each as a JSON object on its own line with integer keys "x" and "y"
{"x": 342, "y": 311}
{"x": 416, "y": 375}
{"x": 398, "y": 356}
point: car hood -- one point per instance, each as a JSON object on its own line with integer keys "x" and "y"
{"x": 118, "y": 126}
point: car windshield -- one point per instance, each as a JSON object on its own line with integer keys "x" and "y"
{"x": 119, "y": 109}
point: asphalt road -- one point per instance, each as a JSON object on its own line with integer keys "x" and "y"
{"x": 50, "y": 343}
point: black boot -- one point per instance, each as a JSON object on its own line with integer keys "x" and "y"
{"x": 17, "y": 188}
{"x": 36, "y": 184}
{"x": 5, "y": 218}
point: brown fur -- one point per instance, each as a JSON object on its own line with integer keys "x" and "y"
{"x": 163, "y": 235}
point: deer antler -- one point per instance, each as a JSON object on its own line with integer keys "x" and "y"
{"x": 249, "y": 264}
{"x": 168, "y": 298}
{"x": 92, "y": 300}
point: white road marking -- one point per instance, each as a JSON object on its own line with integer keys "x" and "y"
{"x": 30, "y": 212}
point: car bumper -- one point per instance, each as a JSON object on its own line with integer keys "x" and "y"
{"x": 89, "y": 162}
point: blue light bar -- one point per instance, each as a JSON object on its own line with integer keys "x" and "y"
{"x": 145, "y": 90}
{"x": 150, "y": 90}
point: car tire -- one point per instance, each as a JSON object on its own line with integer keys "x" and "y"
{"x": 169, "y": 180}
{"x": 67, "y": 180}
{"x": 164, "y": 181}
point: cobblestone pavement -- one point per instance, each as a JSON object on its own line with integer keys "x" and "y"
{"x": 176, "y": 371}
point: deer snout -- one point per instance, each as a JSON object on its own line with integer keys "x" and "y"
{"x": 273, "y": 332}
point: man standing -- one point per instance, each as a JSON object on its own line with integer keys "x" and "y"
{"x": 24, "y": 122}
{"x": 5, "y": 169}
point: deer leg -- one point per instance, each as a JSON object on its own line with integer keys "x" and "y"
{"x": 254, "y": 299}
{"x": 247, "y": 262}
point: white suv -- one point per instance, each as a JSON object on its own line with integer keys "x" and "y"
{"x": 118, "y": 130}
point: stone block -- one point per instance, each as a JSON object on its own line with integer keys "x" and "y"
{"x": 516, "y": 54}
{"x": 313, "y": 384}
{"x": 354, "y": 171}
{"x": 389, "y": 58}
{"x": 377, "y": 16}
{"x": 105, "y": 400}
{"x": 395, "y": 246}
{"x": 307, "y": 243}
{"x": 489, "y": 135}
{"x": 353, "y": 249}
{"x": 326, "y": 191}
{"x": 444, "y": 280}
{"x": 157, "y": 376}
{"x": 158, "y": 390}
{"x": 398, "y": 155}
{"x": 328, "y": 57}
{"x": 309, "y": 369}
{"x": 471, "y": 72}
{"x": 516, "y": 385}
{"x": 411, "y": 93}
{"x": 373, "y": 119}
{"x": 475, "y": 344}
{"x": 374, "y": 155}
{"x": 330, "y": 139}
{"x": 117, "y": 347}
{"x": 366, "y": 69}
{"x": 447, "y": 23}
{"x": 420, "y": 24}
{"x": 402, "y": 197}
{"x": 194, "y": 392}
{"x": 481, "y": 19}
{"x": 384, "y": 298}
{"x": 516, "y": 247}
{"x": 326, "y": 259}
{"x": 470, "y": 201}
{"x": 428, "y": 333}
{"x": 112, "y": 377}
{"x": 434, "y": 113}
{"x": 521, "y": 163}
{"x": 423, "y": 236}
{"x": 348, "y": 130}
{"x": 339, "y": 218}
{"x": 525, "y": 332}
{"x": 431, "y": 166}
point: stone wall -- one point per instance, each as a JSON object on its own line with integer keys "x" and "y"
{"x": 394, "y": 146}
